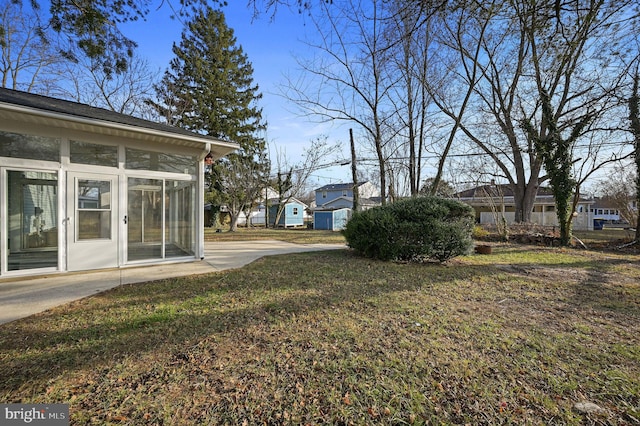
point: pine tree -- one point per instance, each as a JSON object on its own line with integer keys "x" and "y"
{"x": 209, "y": 89}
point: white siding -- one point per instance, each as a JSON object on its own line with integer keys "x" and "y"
{"x": 582, "y": 222}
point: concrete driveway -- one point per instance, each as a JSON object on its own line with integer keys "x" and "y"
{"x": 21, "y": 297}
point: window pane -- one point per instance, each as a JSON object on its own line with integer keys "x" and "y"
{"x": 32, "y": 211}
{"x": 27, "y": 146}
{"x": 94, "y": 225}
{"x": 144, "y": 225}
{"x": 180, "y": 219}
{"x": 157, "y": 161}
{"x": 94, "y": 194}
{"x": 97, "y": 155}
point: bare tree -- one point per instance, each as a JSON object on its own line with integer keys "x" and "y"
{"x": 292, "y": 180}
{"x": 619, "y": 190}
{"x": 634, "y": 117}
{"x": 346, "y": 80}
{"x": 562, "y": 40}
{"x": 32, "y": 61}
{"x": 125, "y": 92}
{"x": 29, "y": 55}
{"x": 408, "y": 36}
{"x": 236, "y": 182}
{"x": 464, "y": 34}
{"x": 525, "y": 52}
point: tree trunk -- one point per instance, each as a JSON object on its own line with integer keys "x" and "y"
{"x": 233, "y": 226}
{"x": 279, "y": 212}
{"x": 383, "y": 171}
{"x": 354, "y": 174}
{"x": 634, "y": 116}
{"x": 524, "y": 197}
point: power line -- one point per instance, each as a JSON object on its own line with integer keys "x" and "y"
{"x": 474, "y": 154}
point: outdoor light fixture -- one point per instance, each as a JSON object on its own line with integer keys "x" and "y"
{"x": 208, "y": 160}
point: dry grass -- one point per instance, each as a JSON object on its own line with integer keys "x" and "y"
{"x": 297, "y": 235}
{"x": 516, "y": 337}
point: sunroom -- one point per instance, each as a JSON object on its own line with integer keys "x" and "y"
{"x": 84, "y": 188}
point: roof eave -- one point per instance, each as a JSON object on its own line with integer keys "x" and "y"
{"x": 21, "y": 113}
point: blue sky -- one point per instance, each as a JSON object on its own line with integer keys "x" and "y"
{"x": 271, "y": 46}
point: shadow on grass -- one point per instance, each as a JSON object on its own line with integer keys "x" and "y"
{"x": 609, "y": 290}
{"x": 140, "y": 318}
{"x": 608, "y": 282}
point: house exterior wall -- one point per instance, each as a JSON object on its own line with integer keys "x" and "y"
{"x": 365, "y": 190}
{"x": 368, "y": 190}
{"x": 54, "y": 227}
{"x": 606, "y": 213}
{"x": 339, "y": 203}
{"x": 488, "y": 209}
{"x": 326, "y": 196}
{"x": 582, "y": 222}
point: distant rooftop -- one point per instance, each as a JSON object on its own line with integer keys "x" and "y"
{"x": 339, "y": 186}
{"x": 496, "y": 190}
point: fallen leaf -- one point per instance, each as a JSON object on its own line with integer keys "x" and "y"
{"x": 118, "y": 418}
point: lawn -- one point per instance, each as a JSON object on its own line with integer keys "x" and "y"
{"x": 516, "y": 337}
{"x": 297, "y": 235}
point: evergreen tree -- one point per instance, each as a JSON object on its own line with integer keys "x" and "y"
{"x": 209, "y": 89}
{"x": 93, "y": 26}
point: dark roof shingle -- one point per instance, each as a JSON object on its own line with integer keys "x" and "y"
{"x": 60, "y": 106}
{"x": 339, "y": 186}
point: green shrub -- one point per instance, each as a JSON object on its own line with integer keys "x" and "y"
{"x": 479, "y": 232}
{"x": 414, "y": 229}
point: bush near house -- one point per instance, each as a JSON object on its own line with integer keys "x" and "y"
{"x": 414, "y": 229}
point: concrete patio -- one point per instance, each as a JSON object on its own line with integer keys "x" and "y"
{"x": 21, "y": 297}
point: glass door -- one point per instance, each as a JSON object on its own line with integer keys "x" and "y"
{"x": 32, "y": 220}
{"x": 161, "y": 219}
{"x": 92, "y": 229}
{"x": 144, "y": 219}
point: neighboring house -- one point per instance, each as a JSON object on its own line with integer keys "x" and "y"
{"x": 87, "y": 188}
{"x": 603, "y": 209}
{"x": 334, "y": 203}
{"x": 495, "y": 201}
{"x": 256, "y": 215}
{"x": 340, "y": 195}
{"x": 606, "y": 212}
{"x": 293, "y": 214}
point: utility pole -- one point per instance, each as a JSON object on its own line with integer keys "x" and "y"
{"x": 356, "y": 195}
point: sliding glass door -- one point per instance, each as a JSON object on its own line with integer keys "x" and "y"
{"x": 32, "y": 220}
{"x": 180, "y": 219}
{"x": 161, "y": 219}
